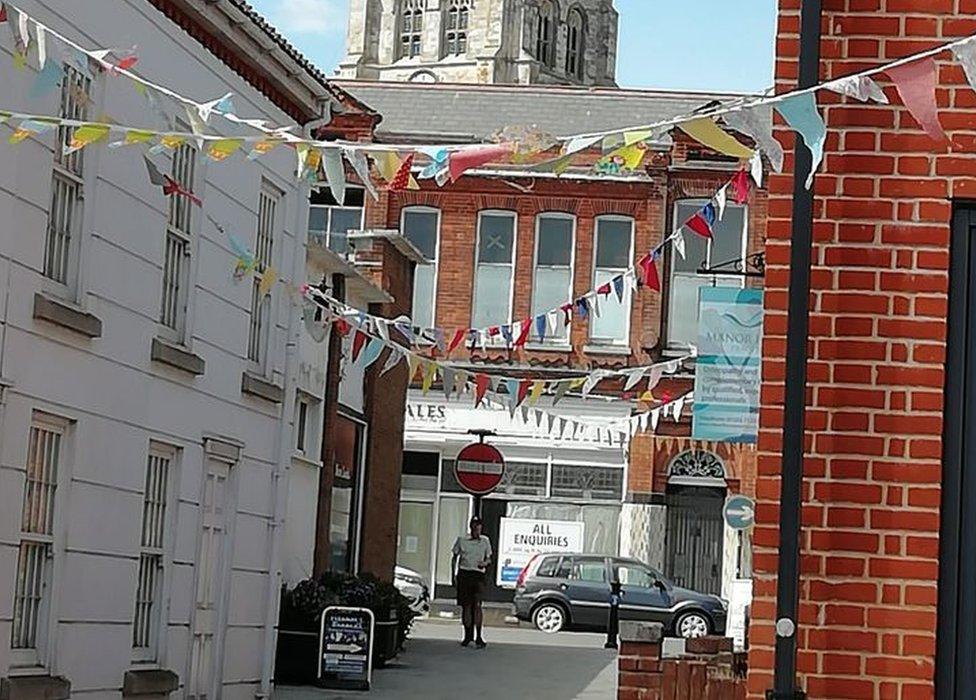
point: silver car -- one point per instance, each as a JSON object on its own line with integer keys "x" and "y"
{"x": 413, "y": 587}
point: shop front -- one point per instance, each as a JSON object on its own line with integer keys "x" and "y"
{"x": 547, "y": 479}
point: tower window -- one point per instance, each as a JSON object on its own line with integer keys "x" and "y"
{"x": 411, "y": 27}
{"x": 545, "y": 38}
{"x": 575, "y": 43}
{"x": 456, "y": 28}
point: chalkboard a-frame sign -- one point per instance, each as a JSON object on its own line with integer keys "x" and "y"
{"x": 346, "y": 648}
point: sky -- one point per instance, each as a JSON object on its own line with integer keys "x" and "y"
{"x": 672, "y": 44}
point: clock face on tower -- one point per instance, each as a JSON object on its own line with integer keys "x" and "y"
{"x": 423, "y": 76}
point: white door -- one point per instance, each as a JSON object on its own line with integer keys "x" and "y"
{"x": 204, "y": 676}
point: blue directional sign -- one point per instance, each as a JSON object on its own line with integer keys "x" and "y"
{"x": 740, "y": 512}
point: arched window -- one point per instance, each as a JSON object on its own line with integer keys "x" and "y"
{"x": 575, "y": 43}
{"x": 545, "y": 37}
{"x": 456, "y": 28}
{"x": 411, "y": 27}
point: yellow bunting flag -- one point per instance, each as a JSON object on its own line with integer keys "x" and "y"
{"x": 536, "y": 392}
{"x": 387, "y": 164}
{"x": 632, "y": 155}
{"x": 134, "y": 136}
{"x": 262, "y": 147}
{"x": 707, "y": 132}
{"x": 171, "y": 141}
{"x": 268, "y": 279}
{"x": 84, "y": 135}
{"x": 221, "y": 150}
{"x": 632, "y": 137}
{"x": 430, "y": 372}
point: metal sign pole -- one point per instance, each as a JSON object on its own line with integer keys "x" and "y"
{"x": 797, "y": 338}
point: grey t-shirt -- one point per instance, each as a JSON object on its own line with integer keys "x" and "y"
{"x": 472, "y": 552}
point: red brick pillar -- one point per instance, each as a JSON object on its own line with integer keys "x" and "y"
{"x": 639, "y": 663}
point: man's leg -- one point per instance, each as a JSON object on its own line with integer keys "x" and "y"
{"x": 478, "y": 619}
{"x": 467, "y": 619}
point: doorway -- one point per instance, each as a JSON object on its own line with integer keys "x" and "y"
{"x": 695, "y": 535}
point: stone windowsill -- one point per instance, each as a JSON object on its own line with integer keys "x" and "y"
{"x": 622, "y": 350}
{"x": 67, "y": 315}
{"x": 549, "y": 347}
{"x": 153, "y": 682}
{"x": 263, "y": 389}
{"x": 169, "y": 353}
{"x": 35, "y": 688}
{"x": 305, "y": 461}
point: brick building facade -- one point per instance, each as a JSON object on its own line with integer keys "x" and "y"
{"x": 882, "y": 433}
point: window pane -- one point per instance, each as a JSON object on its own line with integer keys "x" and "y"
{"x": 552, "y": 288}
{"x": 613, "y": 243}
{"x": 633, "y": 575}
{"x": 683, "y": 312}
{"x": 496, "y": 238}
{"x": 727, "y": 236}
{"x": 423, "y": 295}
{"x": 696, "y": 247}
{"x": 342, "y": 221}
{"x": 591, "y": 570}
{"x": 611, "y": 324}
{"x": 492, "y": 295}
{"x": 451, "y": 523}
{"x": 420, "y": 228}
{"x": 555, "y": 244}
{"x": 318, "y": 219}
{"x": 548, "y": 566}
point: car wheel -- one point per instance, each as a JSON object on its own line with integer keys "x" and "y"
{"x": 549, "y": 618}
{"x": 692, "y": 625}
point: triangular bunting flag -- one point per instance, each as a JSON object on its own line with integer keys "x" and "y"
{"x": 860, "y": 87}
{"x": 800, "y": 112}
{"x": 429, "y": 375}
{"x": 335, "y": 173}
{"x": 561, "y": 389}
{"x": 651, "y": 278}
{"x": 618, "y": 287}
{"x": 372, "y": 352}
{"x": 679, "y": 242}
{"x": 757, "y": 122}
{"x": 413, "y": 362}
{"x": 526, "y": 327}
{"x": 740, "y": 187}
{"x": 472, "y": 157}
{"x": 699, "y": 224}
{"x": 707, "y": 132}
{"x": 537, "y": 388}
{"x": 720, "y": 202}
{"x": 916, "y": 83}
{"x": 540, "y": 327}
{"x": 358, "y": 341}
{"x": 633, "y": 376}
{"x": 655, "y": 418}
{"x": 457, "y": 339}
{"x": 460, "y": 382}
{"x": 481, "y": 382}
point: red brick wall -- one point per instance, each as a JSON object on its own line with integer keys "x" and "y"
{"x": 878, "y": 323}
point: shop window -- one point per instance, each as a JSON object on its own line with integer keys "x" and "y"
{"x": 330, "y": 222}
{"x": 494, "y": 269}
{"x": 728, "y": 244}
{"x": 552, "y": 284}
{"x": 584, "y": 482}
{"x": 613, "y": 256}
{"x": 452, "y": 522}
{"x": 524, "y": 479}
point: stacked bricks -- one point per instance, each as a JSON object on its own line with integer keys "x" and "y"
{"x": 869, "y": 545}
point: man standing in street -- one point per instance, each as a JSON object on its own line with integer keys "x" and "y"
{"x": 472, "y": 557}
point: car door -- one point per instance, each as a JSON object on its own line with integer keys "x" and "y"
{"x": 588, "y": 590}
{"x": 641, "y": 596}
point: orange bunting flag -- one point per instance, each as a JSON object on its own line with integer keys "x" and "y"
{"x": 915, "y": 83}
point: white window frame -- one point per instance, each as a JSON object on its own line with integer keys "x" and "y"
{"x": 42, "y": 652}
{"x": 162, "y": 548}
{"x": 68, "y": 173}
{"x": 313, "y": 420}
{"x": 550, "y": 340}
{"x": 260, "y": 316}
{"x": 174, "y": 323}
{"x": 477, "y": 254}
{"x": 726, "y": 279}
{"x": 628, "y": 295}
{"x": 328, "y": 222}
{"x": 435, "y": 263}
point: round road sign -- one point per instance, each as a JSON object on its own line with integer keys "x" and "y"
{"x": 740, "y": 512}
{"x": 479, "y": 468}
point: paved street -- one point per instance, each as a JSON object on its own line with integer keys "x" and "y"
{"x": 518, "y": 663}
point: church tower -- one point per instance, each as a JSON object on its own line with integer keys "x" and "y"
{"x": 554, "y": 42}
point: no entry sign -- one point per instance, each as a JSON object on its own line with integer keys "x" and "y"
{"x": 479, "y": 468}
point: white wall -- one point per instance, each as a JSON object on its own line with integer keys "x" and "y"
{"x": 116, "y": 397}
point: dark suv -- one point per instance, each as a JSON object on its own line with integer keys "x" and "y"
{"x": 556, "y": 591}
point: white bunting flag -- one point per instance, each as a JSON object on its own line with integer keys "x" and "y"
{"x": 756, "y": 167}
{"x": 860, "y": 87}
{"x": 720, "y": 201}
{"x": 679, "y": 406}
{"x": 335, "y": 173}
{"x": 41, "y": 47}
{"x": 633, "y": 376}
{"x": 655, "y": 419}
{"x": 357, "y": 159}
{"x": 392, "y": 361}
{"x": 447, "y": 378}
{"x": 653, "y": 377}
{"x": 679, "y": 242}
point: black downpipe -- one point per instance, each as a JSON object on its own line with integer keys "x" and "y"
{"x": 797, "y": 339}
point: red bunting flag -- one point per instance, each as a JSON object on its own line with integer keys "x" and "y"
{"x": 699, "y": 224}
{"x": 524, "y": 335}
{"x": 567, "y": 310}
{"x": 481, "y": 382}
{"x": 740, "y": 187}
{"x": 358, "y": 341}
{"x": 493, "y": 331}
{"x": 458, "y": 338}
{"x": 3, "y": 12}
{"x": 651, "y": 279}
{"x": 173, "y": 187}
{"x": 523, "y": 390}
{"x": 342, "y": 326}
{"x": 468, "y": 158}
{"x": 604, "y": 289}
{"x": 915, "y": 83}
{"x": 401, "y": 180}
